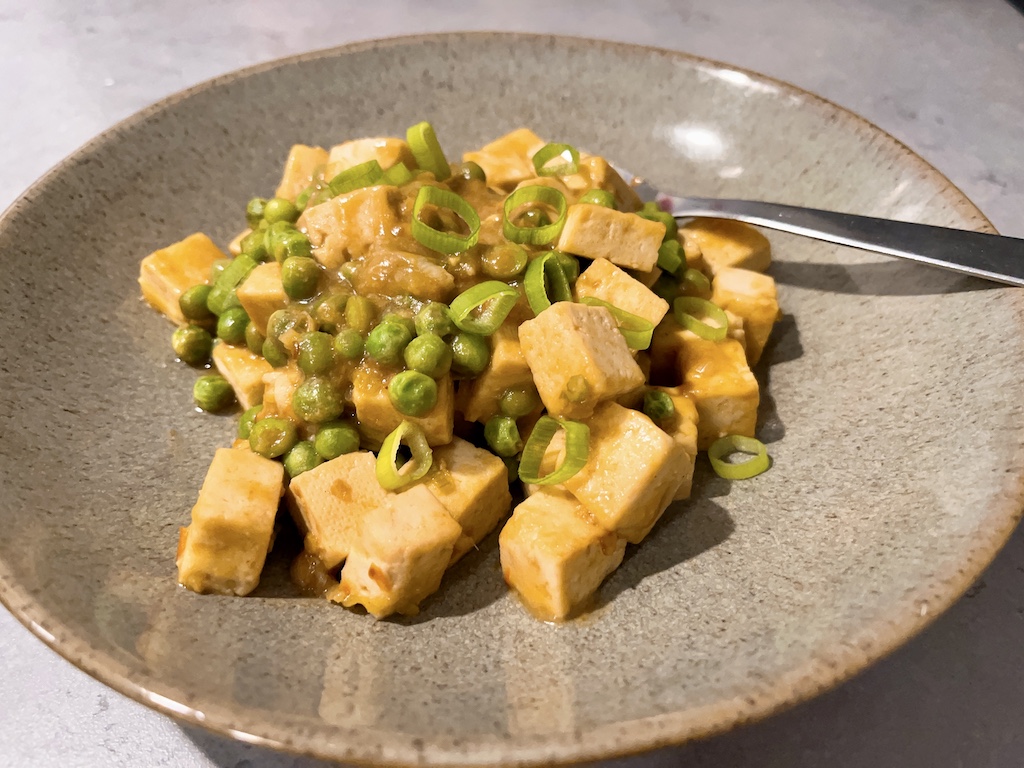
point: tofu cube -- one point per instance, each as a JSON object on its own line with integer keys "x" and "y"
{"x": 603, "y": 280}
{"x": 716, "y": 376}
{"x": 670, "y": 337}
{"x": 681, "y": 426}
{"x": 262, "y": 294}
{"x": 400, "y": 554}
{"x": 165, "y": 274}
{"x": 478, "y": 398}
{"x": 232, "y": 529}
{"x": 472, "y": 485}
{"x": 554, "y": 556}
{"x": 302, "y": 165}
{"x": 330, "y": 501}
{"x": 243, "y": 370}
{"x": 386, "y": 151}
{"x": 725, "y": 243}
{"x": 278, "y": 388}
{"x": 631, "y": 474}
{"x": 596, "y": 173}
{"x": 508, "y": 160}
{"x": 753, "y": 297}
{"x": 578, "y": 358}
{"x": 349, "y": 225}
{"x": 378, "y": 418}
{"x": 622, "y": 238}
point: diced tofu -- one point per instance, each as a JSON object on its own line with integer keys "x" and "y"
{"x": 553, "y": 556}
{"x": 725, "y": 243}
{"x": 625, "y": 239}
{"x": 386, "y": 151}
{"x": 400, "y": 273}
{"x": 508, "y": 160}
{"x": 670, "y": 337}
{"x": 329, "y": 503}
{"x": 716, "y": 377}
{"x": 681, "y": 426}
{"x": 631, "y": 474}
{"x": 232, "y": 529}
{"x": 165, "y": 274}
{"x": 349, "y": 225}
{"x": 472, "y": 484}
{"x": 302, "y": 164}
{"x": 596, "y": 173}
{"x": 378, "y": 418}
{"x": 262, "y": 294}
{"x": 577, "y": 348}
{"x": 244, "y": 372}
{"x": 278, "y": 388}
{"x": 753, "y": 297}
{"x": 478, "y": 398}
{"x": 400, "y": 555}
{"x": 603, "y": 280}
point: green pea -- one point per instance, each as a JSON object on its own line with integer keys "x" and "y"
{"x": 288, "y": 324}
{"x": 387, "y": 342}
{"x": 275, "y": 353}
{"x": 192, "y": 344}
{"x": 519, "y": 402}
{"x": 283, "y": 240}
{"x": 254, "y": 211}
{"x": 192, "y": 303}
{"x": 534, "y": 218}
{"x": 317, "y": 400}
{"x": 316, "y": 352}
{"x": 301, "y": 458}
{"x": 254, "y": 339}
{"x": 231, "y": 325}
{"x": 502, "y": 435}
{"x": 246, "y": 422}
{"x": 652, "y": 212}
{"x": 598, "y": 197}
{"x": 329, "y": 311}
{"x": 212, "y": 393}
{"x": 360, "y": 313}
{"x": 254, "y": 245}
{"x": 470, "y": 354}
{"x": 280, "y": 209}
{"x": 433, "y": 318}
{"x": 349, "y": 344}
{"x": 577, "y": 389}
{"x": 394, "y": 317}
{"x": 570, "y": 266}
{"x": 217, "y": 268}
{"x": 299, "y": 277}
{"x": 412, "y": 393}
{"x": 272, "y": 437}
{"x": 428, "y": 354}
{"x": 470, "y": 170}
{"x": 504, "y": 261}
{"x": 658, "y": 405}
{"x": 335, "y": 438}
{"x": 511, "y": 467}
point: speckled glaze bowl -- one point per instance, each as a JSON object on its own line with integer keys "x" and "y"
{"x": 892, "y": 409}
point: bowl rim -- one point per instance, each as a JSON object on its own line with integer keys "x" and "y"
{"x": 819, "y": 674}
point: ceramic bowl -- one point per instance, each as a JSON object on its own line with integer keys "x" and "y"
{"x": 892, "y": 411}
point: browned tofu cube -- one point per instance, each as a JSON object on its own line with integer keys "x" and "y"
{"x": 681, "y": 426}
{"x": 478, "y": 397}
{"x": 751, "y": 296}
{"x": 302, "y": 164}
{"x": 717, "y": 378}
{"x": 508, "y": 160}
{"x": 725, "y": 243}
{"x": 349, "y": 225}
{"x": 622, "y": 238}
{"x": 386, "y": 151}
{"x": 165, "y": 274}
{"x": 596, "y": 173}
{"x": 243, "y": 370}
{"x": 603, "y": 280}
{"x": 378, "y": 417}
{"x": 262, "y": 294}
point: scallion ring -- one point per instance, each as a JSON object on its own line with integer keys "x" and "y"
{"x": 427, "y": 151}
{"x": 546, "y": 282}
{"x": 549, "y": 152}
{"x": 397, "y": 175}
{"x": 484, "y": 307}
{"x": 535, "y": 235}
{"x": 577, "y": 448}
{"x": 694, "y": 279}
{"x": 435, "y": 239}
{"x": 636, "y": 330}
{"x": 688, "y": 311}
{"x": 356, "y": 177}
{"x": 742, "y": 470}
{"x": 392, "y": 477}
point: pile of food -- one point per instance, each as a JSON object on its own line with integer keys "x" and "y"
{"x": 415, "y": 343}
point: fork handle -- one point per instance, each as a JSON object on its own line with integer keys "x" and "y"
{"x": 993, "y": 257}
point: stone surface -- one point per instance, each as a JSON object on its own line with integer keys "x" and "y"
{"x": 946, "y": 77}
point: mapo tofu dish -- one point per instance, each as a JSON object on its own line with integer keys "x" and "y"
{"x": 423, "y": 352}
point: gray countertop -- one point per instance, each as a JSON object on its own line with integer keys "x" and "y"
{"x": 944, "y": 76}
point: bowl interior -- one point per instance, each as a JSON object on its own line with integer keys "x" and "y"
{"x": 890, "y": 406}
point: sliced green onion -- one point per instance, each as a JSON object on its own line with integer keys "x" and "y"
{"x": 435, "y": 239}
{"x": 636, "y": 330}
{"x": 397, "y": 175}
{"x": 670, "y": 256}
{"x": 695, "y": 280}
{"x": 392, "y": 477}
{"x": 546, "y": 282}
{"x": 357, "y": 177}
{"x": 484, "y": 307}
{"x": 222, "y": 295}
{"x": 427, "y": 151}
{"x": 742, "y": 470}
{"x": 549, "y": 152}
{"x": 688, "y": 311}
{"x": 600, "y": 197}
{"x": 577, "y": 448}
{"x": 535, "y": 235}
